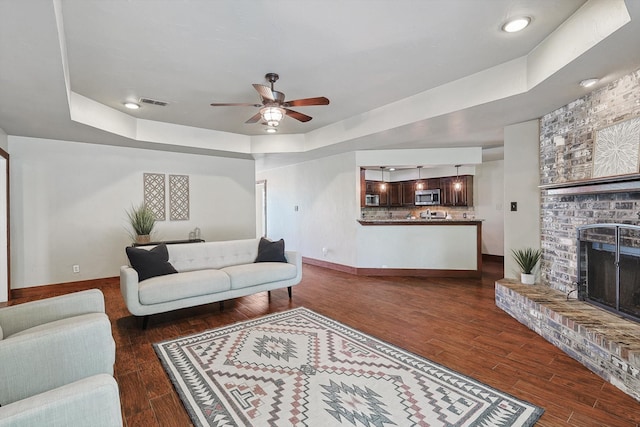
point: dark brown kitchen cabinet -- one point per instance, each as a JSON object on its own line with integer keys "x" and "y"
{"x": 363, "y": 188}
{"x": 451, "y": 196}
{"x": 432, "y": 184}
{"x": 383, "y": 192}
{"x": 395, "y": 193}
{"x": 408, "y": 193}
{"x": 372, "y": 187}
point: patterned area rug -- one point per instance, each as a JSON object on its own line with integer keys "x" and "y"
{"x": 302, "y": 369}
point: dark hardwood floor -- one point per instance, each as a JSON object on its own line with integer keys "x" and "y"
{"x": 453, "y": 322}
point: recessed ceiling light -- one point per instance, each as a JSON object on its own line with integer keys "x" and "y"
{"x": 589, "y": 82}
{"x": 517, "y": 24}
{"x": 392, "y": 169}
{"x": 132, "y": 105}
{"x": 271, "y": 130}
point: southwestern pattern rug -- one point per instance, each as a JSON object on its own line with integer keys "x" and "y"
{"x": 298, "y": 368}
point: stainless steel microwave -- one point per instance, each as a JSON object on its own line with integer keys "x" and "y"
{"x": 427, "y": 197}
{"x": 372, "y": 200}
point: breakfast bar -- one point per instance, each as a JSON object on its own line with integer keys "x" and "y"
{"x": 420, "y": 247}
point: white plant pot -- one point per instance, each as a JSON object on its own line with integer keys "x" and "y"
{"x": 527, "y": 279}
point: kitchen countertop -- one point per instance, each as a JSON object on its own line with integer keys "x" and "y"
{"x": 419, "y": 221}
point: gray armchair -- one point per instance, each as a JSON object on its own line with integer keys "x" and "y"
{"x": 56, "y": 361}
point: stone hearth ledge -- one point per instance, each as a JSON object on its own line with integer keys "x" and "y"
{"x": 607, "y": 344}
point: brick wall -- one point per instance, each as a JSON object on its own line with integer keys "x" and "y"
{"x": 576, "y": 123}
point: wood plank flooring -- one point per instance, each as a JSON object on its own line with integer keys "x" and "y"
{"x": 453, "y": 322}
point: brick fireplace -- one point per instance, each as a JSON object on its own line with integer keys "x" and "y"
{"x": 606, "y": 343}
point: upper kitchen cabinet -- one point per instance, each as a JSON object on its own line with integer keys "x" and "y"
{"x": 408, "y": 193}
{"x": 450, "y": 196}
{"x": 395, "y": 193}
{"x": 384, "y": 193}
{"x": 432, "y": 184}
{"x": 372, "y": 187}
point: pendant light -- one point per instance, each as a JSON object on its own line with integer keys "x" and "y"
{"x": 383, "y": 185}
{"x": 458, "y": 184}
{"x": 419, "y": 184}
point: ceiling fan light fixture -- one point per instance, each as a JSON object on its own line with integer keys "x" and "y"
{"x": 271, "y": 130}
{"x": 272, "y": 115}
{"x": 516, "y": 24}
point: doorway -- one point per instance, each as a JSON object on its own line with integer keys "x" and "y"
{"x": 261, "y": 208}
{"x": 4, "y": 227}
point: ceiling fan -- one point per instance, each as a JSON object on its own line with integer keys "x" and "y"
{"x": 274, "y": 107}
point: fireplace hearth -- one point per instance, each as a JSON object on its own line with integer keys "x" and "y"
{"x": 609, "y": 267}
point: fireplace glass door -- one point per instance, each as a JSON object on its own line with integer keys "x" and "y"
{"x": 609, "y": 267}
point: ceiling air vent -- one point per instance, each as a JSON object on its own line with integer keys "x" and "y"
{"x": 153, "y": 102}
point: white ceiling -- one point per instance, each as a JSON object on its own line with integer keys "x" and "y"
{"x": 399, "y": 73}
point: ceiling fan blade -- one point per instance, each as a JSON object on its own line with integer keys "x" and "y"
{"x": 265, "y": 92}
{"x": 298, "y": 116}
{"x": 255, "y": 118}
{"x": 234, "y": 104}
{"x": 321, "y": 100}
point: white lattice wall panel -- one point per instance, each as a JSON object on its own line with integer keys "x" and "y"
{"x": 178, "y": 197}
{"x": 154, "y": 194}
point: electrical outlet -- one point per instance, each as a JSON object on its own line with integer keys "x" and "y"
{"x": 76, "y": 268}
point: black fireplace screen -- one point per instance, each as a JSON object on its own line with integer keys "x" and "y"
{"x": 609, "y": 267}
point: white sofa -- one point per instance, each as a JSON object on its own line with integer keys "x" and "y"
{"x": 207, "y": 272}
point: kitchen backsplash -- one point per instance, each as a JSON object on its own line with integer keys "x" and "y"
{"x": 400, "y": 213}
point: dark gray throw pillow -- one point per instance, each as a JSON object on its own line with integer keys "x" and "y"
{"x": 150, "y": 263}
{"x": 269, "y": 251}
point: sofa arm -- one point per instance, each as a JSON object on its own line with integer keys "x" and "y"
{"x": 55, "y": 354}
{"x": 129, "y": 289}
{"x": 293, "y": 257}
{"x": 19, "y": 317}
{"x": 91, "y": 402}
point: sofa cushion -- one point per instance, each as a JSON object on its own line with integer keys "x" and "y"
{"x": 269, "y": 251}
{"x": 201, "y": 256}
{"x": 150, "y": 263}
{"x": 184, "y": 285}
{"x": 246, "y": 275}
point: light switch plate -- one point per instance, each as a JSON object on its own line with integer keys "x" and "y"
{"x": 514, "y": 206}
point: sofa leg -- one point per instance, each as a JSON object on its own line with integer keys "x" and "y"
{"x": 145, "y": 322}
{"x": 269, "y": 295}
{"x": 289, "y": 289}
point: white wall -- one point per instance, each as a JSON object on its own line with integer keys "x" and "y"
{"x": 489, "y": 205}
{"x": 325, "y": 192}
{"x": 521, "y": 180}
{"x": 69, "y": 203}
{"x": 4, "y": 140}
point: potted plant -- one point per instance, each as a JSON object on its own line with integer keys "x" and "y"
{"x": 142, "y": 221}
{"x": 527, "y": 259}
